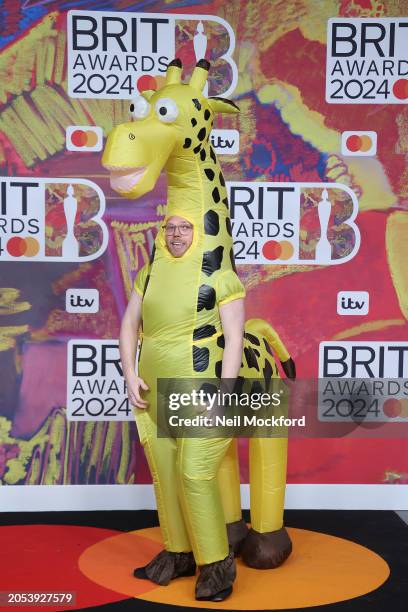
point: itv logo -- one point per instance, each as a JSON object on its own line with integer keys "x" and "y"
{"x": 225, "y": 142}
{"x": 352, "y": 302}
{"x": 82, "y": 300}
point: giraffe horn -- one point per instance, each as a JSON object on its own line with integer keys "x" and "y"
{"x": 173, "y": 73}
{"x": 200, "y": 75}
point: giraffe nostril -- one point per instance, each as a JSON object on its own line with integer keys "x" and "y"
{"x": 132, "y": 136}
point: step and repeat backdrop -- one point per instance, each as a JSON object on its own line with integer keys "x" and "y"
{"x": 316, "y": 168}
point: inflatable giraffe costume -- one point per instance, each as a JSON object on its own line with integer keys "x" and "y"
{"x": 182, "y": 334}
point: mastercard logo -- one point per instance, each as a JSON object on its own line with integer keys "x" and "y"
{"x": 359, "y": 143}
{"x": 274, "y": 249}
{"x": 394, "y": 408}
{"x": 146, "y": 81}
{"x": 84, "y": 138}
{"x": 17, "y": 246}
{"x": 400, "y": 89}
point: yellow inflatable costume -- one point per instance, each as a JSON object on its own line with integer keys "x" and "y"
{"x": 182, "y": 335}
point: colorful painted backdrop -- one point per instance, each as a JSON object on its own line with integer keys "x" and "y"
{"x": 288, "y": 133}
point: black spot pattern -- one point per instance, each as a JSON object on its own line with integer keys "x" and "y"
{"x": 212, "y": 260}
{"x": 208, "y": 388}
{"x": 187, "y": 143}
{"x": 218, "y": 369}
{"x": 206, "y": 298}
{"x": 209, "y": 173}
{"x": 267, "y": 371}
{"x": 211, "y": 223}
{"x": 268, "y": 348}
{"x": 228, "y": 226}
{"x": 256, "y": 387}
{"x": 289, "y": 368}
{"x": 207, "y": 114}
{"x": 225, "y": 201}
{"x": 212, "y": 155}
{"x": 232, "y": 260}
{"x": 216, "y": 195}
{"x": 239, "y": 385}
{"x": 196, "y": 103}
{"x": 221, "y": 341}
{"x": 201, "y": 358}
{"x": 202, "y": 134}
{"x": 222, "y": 180}
{"x": 252, "y": 339}
{"x": 205, "y": 331}
{"x": 197, "y": 148}
{"x": 203, "y": 154}
{"x": 193, "y": 122}
{"x": 251, "y": 359}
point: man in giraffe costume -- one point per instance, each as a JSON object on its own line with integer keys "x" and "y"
{"x": 170, "y": 130}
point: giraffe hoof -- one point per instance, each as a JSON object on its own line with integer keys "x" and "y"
{"x": 266, "y": 550}
{"x": 237, "y": 532}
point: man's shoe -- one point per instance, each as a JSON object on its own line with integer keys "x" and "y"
{"x": 215, "y": 580}
{"x": 167, "y": 566}
{"x": 218, "y": 596}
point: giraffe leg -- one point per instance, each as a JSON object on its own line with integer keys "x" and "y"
{"x": 268, "y": 544}
{"x": 229, "y": 485}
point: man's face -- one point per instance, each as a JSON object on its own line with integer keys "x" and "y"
{"x": 179, "y": 235}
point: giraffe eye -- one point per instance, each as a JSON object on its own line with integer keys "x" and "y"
{"x": 166, "y": 110}
{"x": 139, "y": 108}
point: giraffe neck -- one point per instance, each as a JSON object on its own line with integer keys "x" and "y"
{"x": 196, "y": 191}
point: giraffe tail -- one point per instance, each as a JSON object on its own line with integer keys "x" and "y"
{"x": 262, "y": 328}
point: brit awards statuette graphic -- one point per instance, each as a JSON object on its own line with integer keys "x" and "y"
{"x": 70, "y": 247}
{"x": 323, "y": 247}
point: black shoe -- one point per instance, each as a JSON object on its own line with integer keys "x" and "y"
{"x": 167, "y": 566}
{"x": 215, "y": 580}
{"x": 220, "y": 596}
{"x": 140, "y": 572}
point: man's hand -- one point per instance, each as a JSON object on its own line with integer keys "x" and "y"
{"x": 135, "y": 385}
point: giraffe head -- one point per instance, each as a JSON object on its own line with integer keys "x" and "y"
{"x": 174, "y": 121}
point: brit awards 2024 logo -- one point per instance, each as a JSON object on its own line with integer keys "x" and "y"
{"x": 96, "y": 388}
{"x": 367, "y": 61}
{"x": 53, "y": 219}
{"x": 363, "y": 380}
{"x": 118, "y": 55}
{"x": 293, "y": 223}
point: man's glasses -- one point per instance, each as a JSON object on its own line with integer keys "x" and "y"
{"x": 183, "y": 229}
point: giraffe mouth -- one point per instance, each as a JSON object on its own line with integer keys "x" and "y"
{"x": 125, "y": 179}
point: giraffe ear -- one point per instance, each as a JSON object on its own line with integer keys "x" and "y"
{"x": 147, "y": 94}
{"x": 219, "y": 105}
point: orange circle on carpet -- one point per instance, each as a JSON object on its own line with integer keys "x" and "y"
{"x": 322, "y": 569}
